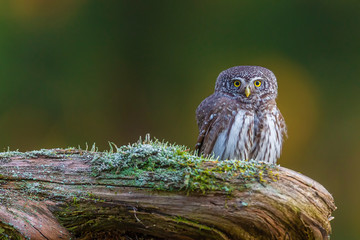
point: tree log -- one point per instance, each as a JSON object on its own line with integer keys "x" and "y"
{"x": 152, "y": 190}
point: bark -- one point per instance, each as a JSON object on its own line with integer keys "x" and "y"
{"x": 74, "y": 194}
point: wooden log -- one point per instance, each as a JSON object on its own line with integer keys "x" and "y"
{"x": 151, "y": 190}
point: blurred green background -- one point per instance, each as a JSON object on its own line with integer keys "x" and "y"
{"x": 82, "y": 71}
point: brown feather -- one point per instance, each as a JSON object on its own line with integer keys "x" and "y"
{"x": 213, "y": 116}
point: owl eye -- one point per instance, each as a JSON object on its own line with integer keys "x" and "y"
{"x": 237, "y": 83}
{"x": 257, "y": 83}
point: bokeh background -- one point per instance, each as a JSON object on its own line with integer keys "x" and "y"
{"x": 78, "y": 71}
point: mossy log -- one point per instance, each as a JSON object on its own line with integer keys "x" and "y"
{"x": 152, "y": 190}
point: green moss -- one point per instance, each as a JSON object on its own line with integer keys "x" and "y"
{"x": 7, "y": 231}
{"x": 152, "y": 164}
{"x": 200, "y": 226}
{"x": 162, "y": 166}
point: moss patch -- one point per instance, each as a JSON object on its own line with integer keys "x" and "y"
{"x": 162, "y": 166}
{"x": 9, "y": 232}
{"x": 155, "y": 165}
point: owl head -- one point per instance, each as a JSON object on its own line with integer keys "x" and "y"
{"x": 248, "y": 84}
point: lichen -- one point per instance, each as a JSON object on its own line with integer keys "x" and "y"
{"x": 162, "y": 166}
{"x": 151, "y": 164}
{"x": 51, "y": 153}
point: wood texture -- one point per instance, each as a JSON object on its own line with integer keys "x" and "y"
{"x": 56, "y": 195}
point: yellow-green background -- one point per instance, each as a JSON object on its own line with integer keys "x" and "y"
{"x": 77, "y": 71}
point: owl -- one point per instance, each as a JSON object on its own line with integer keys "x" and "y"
{"x": 240, "y": 120}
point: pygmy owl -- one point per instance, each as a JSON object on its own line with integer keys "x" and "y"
{"x": 241, "y": 120}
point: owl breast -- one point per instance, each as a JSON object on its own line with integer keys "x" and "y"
{"x": 236, "y": 141}
{"x": 251, "y": 136}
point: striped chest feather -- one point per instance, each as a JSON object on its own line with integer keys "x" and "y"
{"x": 249, "y": 136}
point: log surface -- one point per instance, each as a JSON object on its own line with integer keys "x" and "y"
{"x": 62, "y": 194}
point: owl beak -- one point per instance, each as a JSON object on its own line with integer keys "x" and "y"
{"x": 247, "y": 91}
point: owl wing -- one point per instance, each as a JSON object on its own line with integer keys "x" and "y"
{"x": 213, "y": 116}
